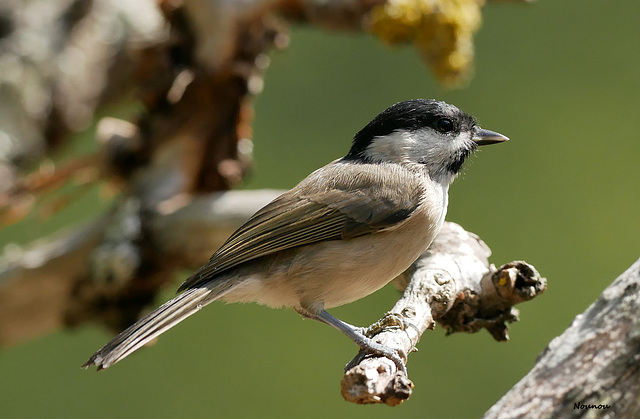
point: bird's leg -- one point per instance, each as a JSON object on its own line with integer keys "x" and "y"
{"x": 356, "y": 334}
{"x": 309, "y": 314}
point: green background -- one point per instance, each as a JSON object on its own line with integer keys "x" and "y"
{"x": 560, "y": 78}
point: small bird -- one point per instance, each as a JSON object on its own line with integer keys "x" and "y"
{"x": 342, "y": 233}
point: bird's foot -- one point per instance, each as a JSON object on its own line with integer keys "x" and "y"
{"x": 370, "y": 347}
{"x": 361, "y": 336}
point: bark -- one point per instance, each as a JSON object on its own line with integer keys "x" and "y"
{"x": 592, "y": 369}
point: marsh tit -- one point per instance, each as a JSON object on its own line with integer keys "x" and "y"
{"x": 342, "y": 233}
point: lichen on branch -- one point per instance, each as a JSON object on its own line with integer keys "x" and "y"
{"x": 442, "y": 30}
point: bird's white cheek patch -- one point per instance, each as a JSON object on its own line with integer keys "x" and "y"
{"x": 394, "y": 147}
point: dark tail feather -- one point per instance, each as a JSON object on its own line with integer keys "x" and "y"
{"x": 152, "y": 325}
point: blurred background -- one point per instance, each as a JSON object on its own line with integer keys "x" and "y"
{"x": 559, "y": 78}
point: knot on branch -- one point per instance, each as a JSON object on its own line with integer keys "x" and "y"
{"x": 382, "y": 384}
{"x": 491, "y": 307}
{"x": 517, "y": 282}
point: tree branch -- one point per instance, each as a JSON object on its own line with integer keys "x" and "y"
{"x": 453, "y": 284}
{"x": 593, "y": 365}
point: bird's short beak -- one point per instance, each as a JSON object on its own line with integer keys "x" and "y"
{"x": 486, "y": 137}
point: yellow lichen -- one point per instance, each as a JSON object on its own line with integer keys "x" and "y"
{"x": 442, "y": 30}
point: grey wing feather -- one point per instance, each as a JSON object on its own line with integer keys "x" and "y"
{"x": 308, "y": 214}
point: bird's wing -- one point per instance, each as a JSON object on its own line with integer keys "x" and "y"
{"x": 351, "y": 202}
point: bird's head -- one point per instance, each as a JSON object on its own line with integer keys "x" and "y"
{"x": 424, "y": 133}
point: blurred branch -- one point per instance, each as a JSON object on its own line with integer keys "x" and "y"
{"x": 592, "y": 368}
{"x": 452, "y": 284}
{"x": 83, "y": 275}
{"x": 193, "y": 138}
{"x": 60, "y": 61}
{"x": 63, "y": 61}
{"x": 35, "y": 284}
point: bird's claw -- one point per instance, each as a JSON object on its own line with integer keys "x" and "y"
{"x": 373, "y": 348}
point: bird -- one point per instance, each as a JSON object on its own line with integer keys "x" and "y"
{"x": 343, "y": 232}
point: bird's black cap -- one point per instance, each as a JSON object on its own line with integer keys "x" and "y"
{"x": 410, "y": 115}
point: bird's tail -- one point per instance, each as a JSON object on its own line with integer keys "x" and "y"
{"x": 152, "y": 325}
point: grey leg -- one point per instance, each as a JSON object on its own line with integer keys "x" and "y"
{"x": 355, "y": 334}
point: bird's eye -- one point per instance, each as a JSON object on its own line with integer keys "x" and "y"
{"x": 444, "y": 125}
